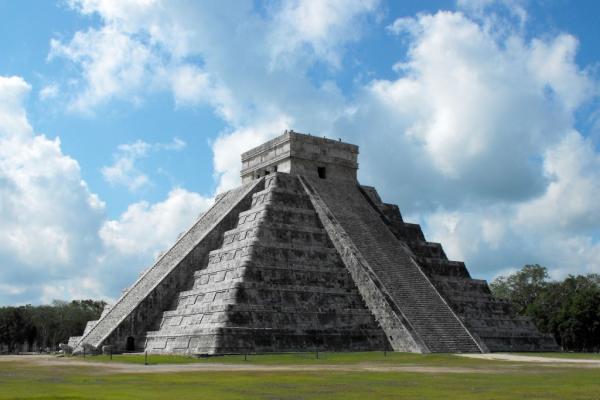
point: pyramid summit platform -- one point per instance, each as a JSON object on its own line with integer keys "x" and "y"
{"x": 302, "y": 257}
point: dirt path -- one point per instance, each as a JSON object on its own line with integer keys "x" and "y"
{"x": 116, "y": 367}
{"x": 533, "y": 359}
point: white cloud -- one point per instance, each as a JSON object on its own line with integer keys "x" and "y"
{"x": 55, "y": 241}
{"x": 49, "y": 216}
{"x": 112, "y": 63}
{"x": 130, "y": 234}
{"x": 321, "y": 27}
{"x": 125, "y": 171}
{"x": 218, "y": 55}
{"x": 49, "y": 92}
{"x": 191, "y": 85}
{"x": 228, "y": 148}
{"x": 473, "y": 134}
{"x": 559, "y": 229}
{"x": 472, "y": 112}
{"x": 478, "y": 133}
{"x": 570, "y": 203}
{"x": 13, "y": 120}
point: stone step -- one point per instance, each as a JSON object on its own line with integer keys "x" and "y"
{"x": 281, "y": 196}
{"x": 276, "y": 233}
{"x": 331, "y": 268}
{"x": 249, "y": 317}
{"x": 252, "y": 340}
{"x": 259, "y": 292}
{"x": 428, "y": 250}
{"x": 161, "y": 277}
{"x": 437, "y": 266}
{"x": 279, "y": 213}
{"x": 276, "y": 269}
{"x": 285, "y": 181}
{"x": 463, "y": 287}
{"x": 430, "y": 317}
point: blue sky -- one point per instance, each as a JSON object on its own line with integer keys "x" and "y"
{"x": 120, "y": 121}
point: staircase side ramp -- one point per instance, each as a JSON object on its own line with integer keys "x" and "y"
{"x": 162, "y": 277}
{"x": 414, "y": 316}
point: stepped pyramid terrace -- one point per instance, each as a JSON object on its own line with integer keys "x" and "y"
{"x": 302, "y": 257}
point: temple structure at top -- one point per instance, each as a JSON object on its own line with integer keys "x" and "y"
{"x": 300, "y": 154}
{"x": 304, "y": 257}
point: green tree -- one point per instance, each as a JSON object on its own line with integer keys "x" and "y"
{"x": 521, "y": 288}
{"x": 47, "y": 325}
{"x": 568, "y": 309}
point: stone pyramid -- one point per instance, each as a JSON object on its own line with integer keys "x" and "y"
{"x": 301, "y": 258}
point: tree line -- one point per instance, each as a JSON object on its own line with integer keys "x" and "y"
{"x": 567, "y": 309}
{"x": 45, "y": 326}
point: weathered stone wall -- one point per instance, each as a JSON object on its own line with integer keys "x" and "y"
{"x": 487, "y": 318}
{"x": 276, "y": 284}
{"x": 430, "y": 319}
{"x": 398, "y": 329}
{"x": 304, "y": 260}
{"x": 124, "y": 326}
{"x": 300, "y": 154}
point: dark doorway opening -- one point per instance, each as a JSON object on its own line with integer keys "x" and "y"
{"x": 321, "y": 172}
{"x": 130, "y": 344}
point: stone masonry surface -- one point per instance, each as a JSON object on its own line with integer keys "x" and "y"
{"x": 303, "y": 258}
{"x": 276, "y": 284}
{"x": 164, "y": 279}
{"x": 432, "y": 320}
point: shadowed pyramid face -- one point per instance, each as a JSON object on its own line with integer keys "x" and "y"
{"x": 300, "y": 154}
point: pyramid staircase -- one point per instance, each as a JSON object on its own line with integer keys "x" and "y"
{"x": 489, "y": 319}
{"x": 296, "y": 263}
{"x": 275, "y": 284}
{"x": 429, "y": 320}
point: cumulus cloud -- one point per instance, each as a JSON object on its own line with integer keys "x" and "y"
{"x": 55, "y": 239}
{"x": 305, "y": 27}
{"x": 475, "y": 136}
{"x": 112, "y": 64}
{"x": 569, "y": 203}
{"x": 129, "y": 235}
{"x": 191, "y": 85}
{"x": 49, "y": 216}
{"x": 124, "y": 169}
{"x": 471, "y": 114}
{"x": 486, "y": 152}
{"x": 133, "y": 241}
{"x": 235, "y": 60}
{"x": 229, "y": 146}
{"x": 559, "y": 229}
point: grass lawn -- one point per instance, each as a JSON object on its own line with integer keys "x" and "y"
{"x": 301, "y": 359}
{"x": 487, "y": 380}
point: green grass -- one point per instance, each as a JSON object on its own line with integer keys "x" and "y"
{"x": 490, "y": 380}
{"x": 301, "y": 359}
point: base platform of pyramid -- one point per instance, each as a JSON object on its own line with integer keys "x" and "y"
{"x": 303, "y": 258}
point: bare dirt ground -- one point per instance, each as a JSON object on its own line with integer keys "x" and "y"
{"x": 116, "y": 367}
{"x": 531, "y": 359}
